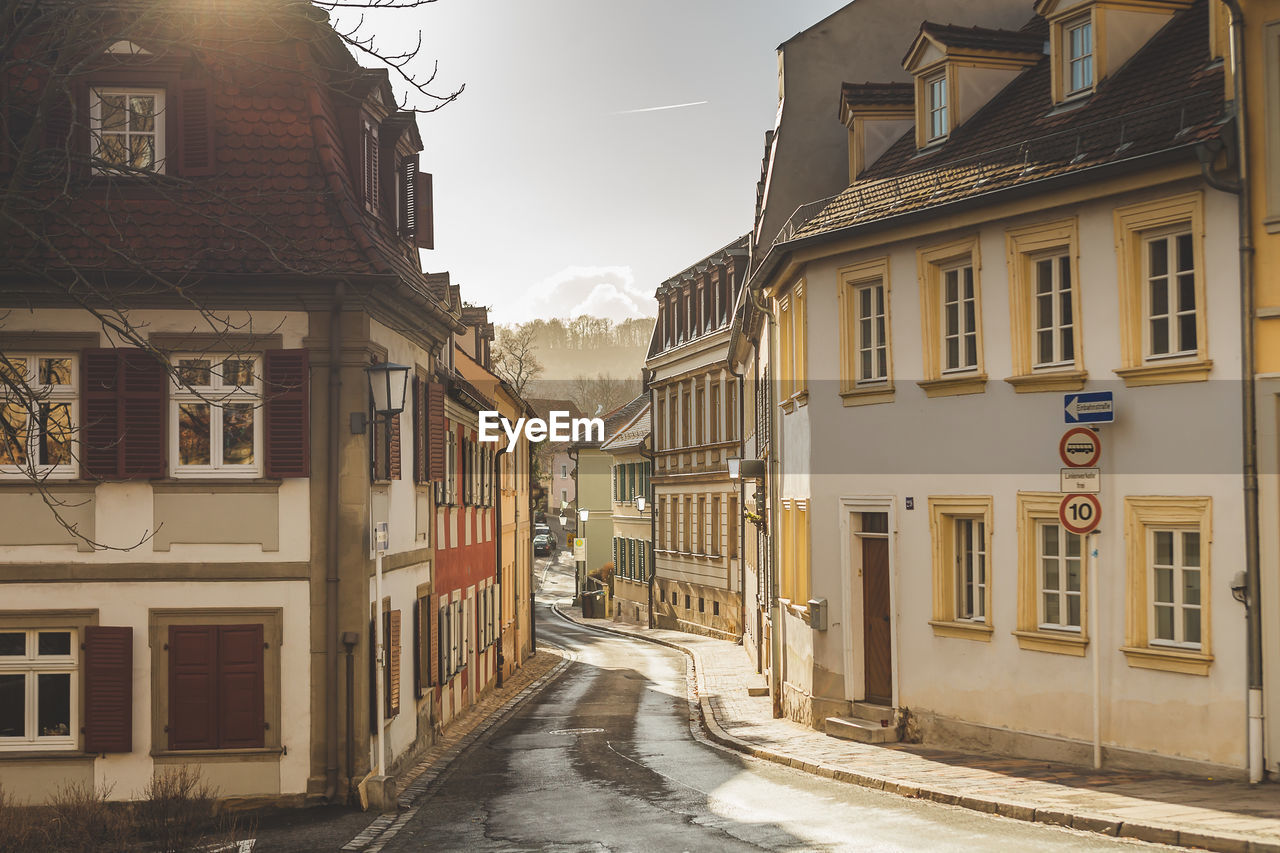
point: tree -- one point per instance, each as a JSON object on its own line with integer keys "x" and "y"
{"x": 603, "y": 394}
{"x": 96, "y": 215}
{"x": 515, "y": 356}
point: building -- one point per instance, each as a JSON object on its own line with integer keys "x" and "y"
{"x": 630, "y": 445}
{"x": 556, "y": 466}
{"x": 191, "y": 487}
{"x": 696, "y": 429}
{"x": 1018, "y": 230}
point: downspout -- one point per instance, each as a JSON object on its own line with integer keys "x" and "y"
{"x": 497, "y": 521}
{"x": 331, "y": 549}
{"x": 653, "y": 517}
{"x": 742, "y": 494}
{"x": 774, "y": 473}
{"x": 1248, "y": 401}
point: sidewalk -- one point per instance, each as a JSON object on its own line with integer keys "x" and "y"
{"x": 1232, "y": 817}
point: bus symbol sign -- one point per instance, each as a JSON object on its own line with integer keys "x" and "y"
{"x": 1080, "y": 448}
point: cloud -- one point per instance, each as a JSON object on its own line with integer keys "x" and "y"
{"x": 609, "y": 292}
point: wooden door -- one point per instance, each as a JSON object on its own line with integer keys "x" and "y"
{"x": 876, "y": 625}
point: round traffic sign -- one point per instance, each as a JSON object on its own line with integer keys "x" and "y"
{"x": 1080, "y": 513}
{"x": 1080, "y": 447}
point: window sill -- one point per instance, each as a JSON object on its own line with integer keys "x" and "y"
{"x": 979, "y": 631}
{"x": 188, "y": 484}
{"x": 801, "y": 398}
{"x": 1165, "y": 373}
{"x": 1168, "y": 660}
{"x": 46, "y": 755}
{"x": 788, "y": 405}
{"x": 213, "y": 756}
{"x": 869, "y": 395}
{"x": 955, "y": 386}
{"x": 1064, "y": 643}
{"x": 1060, "y": 380}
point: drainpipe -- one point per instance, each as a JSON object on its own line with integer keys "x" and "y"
{"x": 1248, "y": 399}
{"x": 742, "y": 492}
{"x": 331, "y": 550}
{"x": 653, "y": 517}
{"x": 497, "y": 522}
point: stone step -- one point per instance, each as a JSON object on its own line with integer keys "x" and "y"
{"x": 863, "y": 731}
{"x": 875, "y": 713}
{"x": 757, "y": 690}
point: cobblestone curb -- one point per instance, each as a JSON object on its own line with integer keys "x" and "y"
{"x": 429, "y": 773}
{"x": 1102, "y": 824}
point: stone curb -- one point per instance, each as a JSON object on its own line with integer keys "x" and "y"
{"x": 1084, "y": 821}
{"x": 424, "y": 777}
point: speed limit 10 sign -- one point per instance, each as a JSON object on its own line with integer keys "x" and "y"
{"x": 1080, "y": 513}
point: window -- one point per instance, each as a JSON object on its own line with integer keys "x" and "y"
{"x": 564, "y": 471}
{"x": 794, "y": 544}
{"x": 793, "y": 386}
{"x": 216, "y": 687}
{"x": 714, "y": 548}
{"x": 1163, "y": 323}
{"x": 960, "y": 528}
{"x": 38, "y": 688}
{"x": 1170, "y": 276}
{"x": 37, "y": 423}
{"x": 700, "y": 414}
{"x": 1044, "y": 303}
{"x": 870, "y": 334}
{"x": 866, "y": 360}
{"x": 686, "y": 543}
{"x": 214, "y": 423}
{"x": 1168, "y": 544}
{"x": 951, "y": 307}
{"x": 700, "y": 527}
{"x": 1078, "y": 38}
{"x": 127, "y": 130}
{"x": 1061, "y": 573}
{"x": 1054, "y": 323}
{"x": 1052, "y": 571}
{"x": 936, "y": 108}
{"x": 715, "y": 413}
{"x": 959, "y": 320}
{"x": 564, "y": 496}
{"x": 733, "y": 525}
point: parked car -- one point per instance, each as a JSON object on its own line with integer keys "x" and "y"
{"x": 541, "y": 530}
{"x": 543, "y": 545}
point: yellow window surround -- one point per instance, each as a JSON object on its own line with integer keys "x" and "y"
{"x": 1132, "y": 224}
{"x": 1033, "y": 508}
{"x": 875, "y": 271}
{"x": 924, "y": 104}
{"x": 943, "y": 512}
{"x": 1140, "y": 515}
{"x": 1059, "y": 37}
{"x": 1024, "y": 246}
{"x": 931, "y": 262}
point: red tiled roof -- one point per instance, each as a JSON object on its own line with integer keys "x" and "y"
{"x": 1167, "y": 96}
{"x": 983, "y": 38}
{"x": 877, "y": 93}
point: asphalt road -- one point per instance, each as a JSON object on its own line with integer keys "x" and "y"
{"x": 604, "y": 760}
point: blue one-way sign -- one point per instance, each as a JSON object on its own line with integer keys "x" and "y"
{"x": 1096, "y": 407}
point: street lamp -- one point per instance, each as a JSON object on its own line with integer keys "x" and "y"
{"x": 387, "y": 383}
{"x": 580, "y": 571}
{"x": 640, "y": 503}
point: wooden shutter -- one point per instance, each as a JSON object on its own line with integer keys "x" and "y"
{"x": 108, "y": 689}
{"x": 424, "y": 228}
{"x": 484, "y": 617}
{"x": 419, "y": 431}
{"x": 393, "y": 662}
{"x": 99, "y": 414}
{"x": 241, "y": 701}
{"x": 287, "y": 412}
{"x": 408, "y": 196}
{"x": 371, "y": 171}
{"x": 196, "y": 144}
{"x": 431, "y": 645}
{"x": 58, "y": 120}
{"x": 435, "y": 431}
{"x": 416, "y": 642}
{"x": 144, "y": 392}
{"x": 443, "y": 642}
{"x": 394, "y": 469}
{"x": 193, "y": 707}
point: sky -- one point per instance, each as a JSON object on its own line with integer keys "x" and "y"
{"x": 559, "y": 188}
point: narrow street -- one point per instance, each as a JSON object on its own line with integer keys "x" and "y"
{"x": 605, "y": 760}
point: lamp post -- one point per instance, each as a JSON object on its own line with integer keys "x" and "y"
{"x": 387, "y": 384}
{"x": 580, "y": 572}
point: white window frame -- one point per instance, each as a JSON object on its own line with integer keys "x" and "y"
{"x": 1062, "y": 592}
{"x": 1173, "y": 312}
{"x": 972, "y": 578}
{"x": 1177, "y": 603}
{"x": 1061, "y": 318}
{"x": 936, "y": 106}
{"x": 33, "y": 665}
{"x": 215, "y": 396}
{"x": 874, "y": 340}
{"x": 158, "y": 135}
{"x": 40, "y": 393}
{"x": 962, "y": 333}
{"x": 1073, "y": 60}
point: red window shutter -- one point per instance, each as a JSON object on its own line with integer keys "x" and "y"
{"x": 416, "y": 647}
{"x": 193, "y": 677}
{"x": 287, "y": 407}
{"x": 424, "y": 228}
{"x": 241, "y": 705}
{"x": 435, "y": 430}
{"x": 393, "y": 662}
{"x": 444, "y": 643}
{"x": 99, "y": 414}
{"x": 419, "y": 431}
{"x": 108, "y": 689}
{"x": 394, "y": 473}
{"x": 408, "y": 175}
{"x": 195, "y": 111}
{"x": 432, "y": 637}
{"x": 371, "y": 172}
{"x": 144, "y": 392}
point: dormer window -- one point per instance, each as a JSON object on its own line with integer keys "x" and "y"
{"x": 936, "y": 107}
{"x": 128, "y": 130}
{"x": 1078, "y": 40}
